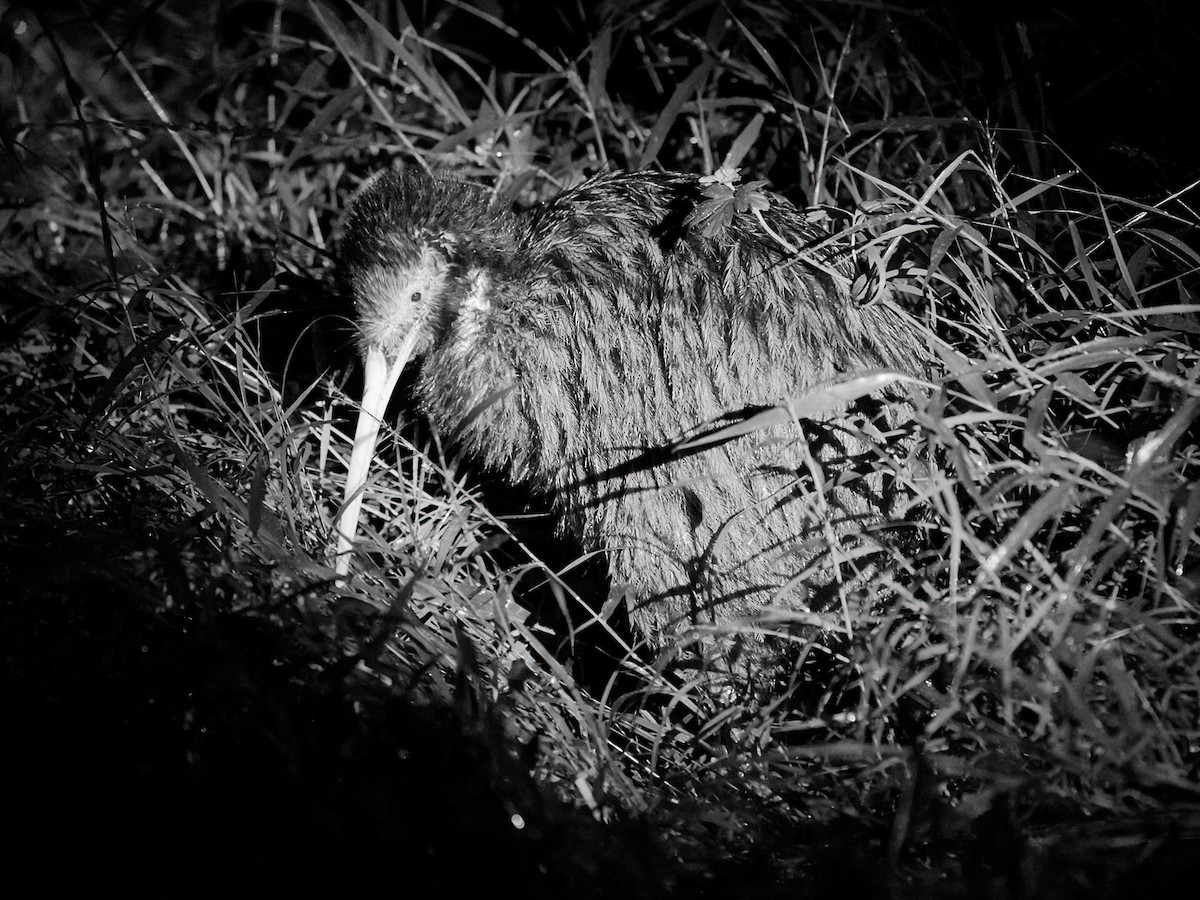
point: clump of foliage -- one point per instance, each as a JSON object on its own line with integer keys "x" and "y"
{"x": 175, "y": 368}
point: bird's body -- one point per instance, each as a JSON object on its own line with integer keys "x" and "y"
{"x": 574, "y": 345}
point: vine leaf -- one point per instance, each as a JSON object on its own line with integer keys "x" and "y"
{"x": 725, "y": 197}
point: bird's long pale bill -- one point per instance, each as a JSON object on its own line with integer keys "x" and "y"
{"x": 379, "y": 380}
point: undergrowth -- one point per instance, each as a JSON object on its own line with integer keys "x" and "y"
{"x": 178, "y": 374}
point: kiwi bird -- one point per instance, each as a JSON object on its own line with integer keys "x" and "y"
{"x": 575, "y": 346}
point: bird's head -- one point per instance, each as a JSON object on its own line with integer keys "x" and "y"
{"x": 401, "y": 254}
{"x": 396, "y": 299}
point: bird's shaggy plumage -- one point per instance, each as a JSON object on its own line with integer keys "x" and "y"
{"x": 575, "y": 344}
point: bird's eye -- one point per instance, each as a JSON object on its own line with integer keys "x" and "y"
{"x": 416, "y": 297}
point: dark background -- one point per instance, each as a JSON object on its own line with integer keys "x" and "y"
{"x": 1113, "y": 84}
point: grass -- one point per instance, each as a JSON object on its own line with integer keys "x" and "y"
{"x": 1016, "y": 712}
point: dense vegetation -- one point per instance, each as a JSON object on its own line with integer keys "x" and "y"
{"x": 1013, "y": 711}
